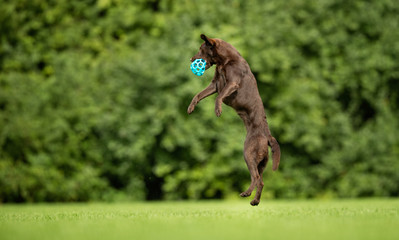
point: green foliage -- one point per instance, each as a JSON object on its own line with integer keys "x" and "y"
{"x": 93, "y": 99}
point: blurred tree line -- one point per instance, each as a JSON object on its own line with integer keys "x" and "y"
{"x": 93, "y": 98}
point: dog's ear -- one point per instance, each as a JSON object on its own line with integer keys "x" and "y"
{"x": 208, "y": 41}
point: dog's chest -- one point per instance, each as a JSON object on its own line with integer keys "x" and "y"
{"x": 221, "y": 84}
{"x": 220, "y": 80}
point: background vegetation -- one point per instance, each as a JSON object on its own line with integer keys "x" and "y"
{"x": 93, "y": 98}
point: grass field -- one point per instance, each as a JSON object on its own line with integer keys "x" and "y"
{"x": 337, "y": 219}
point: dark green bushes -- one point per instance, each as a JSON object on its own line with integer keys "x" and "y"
{"x": 93, "y": 99}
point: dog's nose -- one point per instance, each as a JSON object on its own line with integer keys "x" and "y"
{"x": 191, "y": 59}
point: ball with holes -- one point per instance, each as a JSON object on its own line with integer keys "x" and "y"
{"x": 198, "y": 66}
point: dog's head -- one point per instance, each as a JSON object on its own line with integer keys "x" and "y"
{"x": 207, "y": 51}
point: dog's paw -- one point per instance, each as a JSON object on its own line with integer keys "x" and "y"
{"x": 218, "y": 111}
{"x": 190, "y": 108}
{"x": 245, "y": 194}
{"x": 254, "y": 202}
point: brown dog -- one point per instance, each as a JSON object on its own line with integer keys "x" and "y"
{"x": 236, "y": 86}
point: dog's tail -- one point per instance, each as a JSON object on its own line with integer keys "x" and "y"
{"x": 272, "y": 142}
{"x": 275, "y": 152}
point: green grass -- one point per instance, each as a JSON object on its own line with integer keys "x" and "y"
{"x": 338, "y": 219}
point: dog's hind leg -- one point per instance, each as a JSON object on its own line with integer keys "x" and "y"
{"x": 250, "y": 159}
{"x": 259, "y": 187}
{"x": 256, "y": 156}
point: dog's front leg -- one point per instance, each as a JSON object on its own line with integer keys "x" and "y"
{"x": 211, "y": 89}
{"x": 227, "y": 90}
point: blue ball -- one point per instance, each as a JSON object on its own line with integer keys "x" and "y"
{"x": 198, "y": 66}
